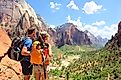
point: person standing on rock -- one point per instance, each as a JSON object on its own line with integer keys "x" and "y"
{"x": 25, "y": 63}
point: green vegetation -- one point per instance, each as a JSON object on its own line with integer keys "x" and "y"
{"x": 92, "y": 64}
{"x": 67, "y": 50}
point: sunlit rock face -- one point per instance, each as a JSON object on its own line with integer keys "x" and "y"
{"x": 9, "y": 69}
{"x": 16, "y": 16}
{"x": 70, "y": 35}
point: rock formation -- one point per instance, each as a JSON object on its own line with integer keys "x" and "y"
{"x": 16, "y": 16}
{"x": 115, "y": 42}
{"x": 52, "y": 33}
{"x": 70, "y": 35}
{"x": 9, "y": 69}
{"x": 93, "y": 39}
{"x": 97, "y": 41}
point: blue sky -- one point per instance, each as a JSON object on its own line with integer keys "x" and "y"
{"x": 100, "y": 17}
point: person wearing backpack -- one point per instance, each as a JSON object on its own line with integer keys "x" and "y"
{"x": 46, "y": 51}
{"x": 36, "y": 59}
{"x": 27, "y": 47}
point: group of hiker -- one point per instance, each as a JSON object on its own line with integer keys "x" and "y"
{"x": 36, "y": 52}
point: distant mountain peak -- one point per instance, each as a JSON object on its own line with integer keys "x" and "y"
{"x": 86, "y": 31}
{"x": 67, "y": 25}
{"x": 69, "y": 34}
{"x": 99, "y": 36}
{"x": 98, "y": 41}
{"x": 89, "y": 34}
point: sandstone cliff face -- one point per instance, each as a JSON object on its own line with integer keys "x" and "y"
{"x": 115, "y": 42}
{"x": 70, "y": 35}
{"x": 52, "y": 33}
{"x": 9, "y": 69}
{"x": 16, "y": 16}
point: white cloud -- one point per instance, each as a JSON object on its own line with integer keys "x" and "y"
{"x": 91, "y": 7}
{"x": 55, "y": 6}
{"x": 105, "y": 32}
{"x": 68, "y": 18}
{"x": 108, "y": 31}
{"x": 72, "y": 5}
{"x": 98, "y": 23}
{"x": 75, "y": 22}
{"x": 52, "y": 26}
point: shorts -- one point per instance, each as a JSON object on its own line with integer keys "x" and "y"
{"x": 38, "y": 68}
{"x": 26, "y": 67}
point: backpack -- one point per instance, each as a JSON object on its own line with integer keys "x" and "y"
{"x": 14, "y": 52}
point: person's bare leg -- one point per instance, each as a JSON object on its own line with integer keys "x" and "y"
{"x": 42, "y": 76}
{"x": 26, "y": 77}
{"x": 46, "y": 75}
{"x": 37, "y": 75}
{"x": 47, "y": 71}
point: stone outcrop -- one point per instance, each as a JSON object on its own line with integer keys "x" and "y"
{"x": 16, "y": 16}
{"x": 115, "y": 42}
{"x": 52, "y": 33}
{"x": 70, "y": 35}
{"x": 9, "y": 69}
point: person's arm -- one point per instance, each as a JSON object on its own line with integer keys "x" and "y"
{"x": 27, "y": 44}
{"x": 50, "y": 51}
{"x": 24, "y": 51}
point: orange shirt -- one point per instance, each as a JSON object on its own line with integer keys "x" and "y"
{"x": 36, "y": 54}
